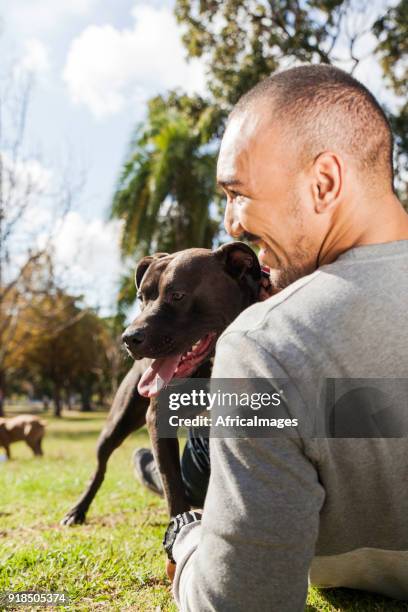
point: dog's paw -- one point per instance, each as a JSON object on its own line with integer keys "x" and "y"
{"x": 73, "y": 517}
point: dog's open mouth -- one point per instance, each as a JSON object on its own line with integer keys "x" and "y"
{"x": 163, "y": 370}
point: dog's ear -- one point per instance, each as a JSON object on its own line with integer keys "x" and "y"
{"x": 239, "y": 260}
{"x": 144, "y": 264}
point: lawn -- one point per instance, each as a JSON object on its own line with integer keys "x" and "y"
{"x": 115, "y": 561}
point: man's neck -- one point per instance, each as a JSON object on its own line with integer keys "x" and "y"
{"x": 382, "y": 220}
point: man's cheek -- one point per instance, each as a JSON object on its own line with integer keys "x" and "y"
{"x": 253, "y": 216}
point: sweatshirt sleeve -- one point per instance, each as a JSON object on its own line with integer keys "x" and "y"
{"x": 254, "y": 546}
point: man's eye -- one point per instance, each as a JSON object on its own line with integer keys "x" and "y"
{"x": 177, "y": 296}
{"x": 238, "y": 197}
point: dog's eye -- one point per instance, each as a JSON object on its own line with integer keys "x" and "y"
{"x": 177, "y": 296}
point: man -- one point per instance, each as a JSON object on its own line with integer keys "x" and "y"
{"x": 306, "y": 165}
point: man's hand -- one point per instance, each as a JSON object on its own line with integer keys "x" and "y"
{"x": 170, "y": 570}
{"x": 174, "y": 527}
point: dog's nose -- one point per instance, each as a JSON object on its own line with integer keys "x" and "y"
{"x": 133, "y": 337}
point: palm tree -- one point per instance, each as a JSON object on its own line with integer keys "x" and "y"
{"x": 166, "y": 192}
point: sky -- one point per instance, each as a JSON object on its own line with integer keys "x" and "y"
{"x": 94, "y": 64}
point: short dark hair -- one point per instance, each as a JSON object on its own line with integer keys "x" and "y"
{"x": 327, "y": 107}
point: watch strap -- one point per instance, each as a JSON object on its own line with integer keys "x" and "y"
{"x": 174, "y": 528}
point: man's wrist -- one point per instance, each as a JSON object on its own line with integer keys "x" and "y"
{"x": 174, "y": 528}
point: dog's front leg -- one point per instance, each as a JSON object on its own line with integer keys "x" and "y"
{"x": 167, "y": 457}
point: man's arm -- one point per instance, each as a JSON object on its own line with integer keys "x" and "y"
{"x": 260, "y": 523}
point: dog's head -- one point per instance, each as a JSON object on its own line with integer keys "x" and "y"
{"x": 187, "y": 300}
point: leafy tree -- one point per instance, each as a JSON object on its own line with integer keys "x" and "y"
{"x": 43, "y": 346}
{"x": 392, "y": 32}
{"x": 243, "y": 41}
{"x": 64, "y": 349}
{"x": 58, "y": 346}
{"x": 15, "y": 296}
{"x": 168, "y": 179}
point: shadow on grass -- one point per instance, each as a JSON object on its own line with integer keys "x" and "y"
{"x": 66, "y": 415}
{"x": 74, "y": 418}
{"x": 74, "y": 435}
{"x": 351, "y": 600}
{"x": 93, "y": 433}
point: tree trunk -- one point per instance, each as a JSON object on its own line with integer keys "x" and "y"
{"x": 102, "y": 397}
{"x": 2, "y": 392}
{"x": 68, "y": 399}
{"x": 86, "y": 400}
{"x": 57, "y": 401}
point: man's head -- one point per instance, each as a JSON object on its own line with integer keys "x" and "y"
{"x": 301, "y": 150}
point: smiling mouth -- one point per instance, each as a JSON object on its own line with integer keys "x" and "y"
{"x": 247, "y": 236}
{"x": 164, "y": 369}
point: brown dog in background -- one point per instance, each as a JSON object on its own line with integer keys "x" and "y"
{"x": 22, "y": 427}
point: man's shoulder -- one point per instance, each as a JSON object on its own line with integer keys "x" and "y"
{"x": 303, "y": 301}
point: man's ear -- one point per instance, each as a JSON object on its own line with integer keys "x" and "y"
{"x": 239, "y": 260}
{"x": 143, "y": 265}
{"x": 329, "y": 176}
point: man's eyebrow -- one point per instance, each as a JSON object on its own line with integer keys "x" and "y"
{"x": 232, "y": 182}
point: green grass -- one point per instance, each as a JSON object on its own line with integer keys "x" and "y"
{"x": 115, "y": 561}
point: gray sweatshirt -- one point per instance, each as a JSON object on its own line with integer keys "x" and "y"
{"x": 283, "y": 511}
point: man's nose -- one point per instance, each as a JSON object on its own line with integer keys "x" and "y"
{"x": 133, "y": 336}
{"x": 231, "y": 223}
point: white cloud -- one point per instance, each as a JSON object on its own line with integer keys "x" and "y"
{"x": 107, "y": 67}
{"x": 87, "y": 255}
{"x": 23, "y": 180}
{"x": 35, "y": 59}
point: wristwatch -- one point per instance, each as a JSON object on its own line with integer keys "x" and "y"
{"x": 175, "y": 525}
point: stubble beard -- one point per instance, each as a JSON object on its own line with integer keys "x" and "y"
{"x": 301, "y": 264}
{"x": 283, "y": 277}
{"x": 301, "y": 260}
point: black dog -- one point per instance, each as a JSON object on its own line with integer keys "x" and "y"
{"x": 188, "y": 299}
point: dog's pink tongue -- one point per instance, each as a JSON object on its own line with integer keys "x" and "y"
{"x": 158, "y": 375}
